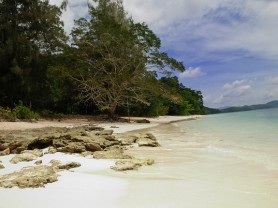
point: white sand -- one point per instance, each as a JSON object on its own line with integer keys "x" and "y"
{"x": 80, "y": 188}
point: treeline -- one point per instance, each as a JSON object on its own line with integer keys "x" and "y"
{"x": 108, "y": 63}
{"x": 272, "y": 104}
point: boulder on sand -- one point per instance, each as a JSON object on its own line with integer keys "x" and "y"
{"x": 131, "y": 164}
{"x": 26, "y": 156}
{"x": 30, "y": 177}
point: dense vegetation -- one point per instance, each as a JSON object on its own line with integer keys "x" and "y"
{"x": 108, "y": 63}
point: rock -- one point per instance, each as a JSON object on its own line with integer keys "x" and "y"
{"x": 93, "y": 147}
{"x": 132, "y": 164}
{"x": 51, "y": 150}
{"x": 5, "y": 152}
{"x": 39, "y": 162}
{"x": 57, "y": 165}
{"x": 105, "y": 132}
{"x": 73, "y": 147}
{"x": 2, "y": 166}
{"x": 111, "y": 154}
{"x": 148, "y": 140}
{"x": 30, "y": 177}
{"x": 55, "y": 162}
{"x": 142, "y": 121}
{"x": 69, "y": 165}
{"x": 41, "y": 142}
{"x": 26, "y": 156}
{"x": 87, "y": 153}
{"x": 94, "y": 128}
{"x": 125, "y": 165}
{"x": 127, "y": 139}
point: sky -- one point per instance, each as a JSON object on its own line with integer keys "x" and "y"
{"x": 229, "y": 47}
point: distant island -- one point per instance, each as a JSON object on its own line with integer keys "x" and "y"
{"x": 272, "y": 104}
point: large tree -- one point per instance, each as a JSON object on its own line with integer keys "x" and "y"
{"x": 30, "y": 31}
{"x": 116, "y": 58}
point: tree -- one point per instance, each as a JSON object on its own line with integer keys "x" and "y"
{"x": 189, "y": 101}
{"x": 30, "y": 32}
{"x": 116, "y": 57}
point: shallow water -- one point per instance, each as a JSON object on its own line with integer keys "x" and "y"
{"x": 227, "y": 160}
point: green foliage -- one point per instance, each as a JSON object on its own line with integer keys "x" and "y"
{"x": 7, "y": 114}
{"x": 114, "y": 56}
{"x": 23, "y": 112}
{"x": 112, "y": 65}
{"x": 19, "y": 112}
{"x": 30, "y": 31}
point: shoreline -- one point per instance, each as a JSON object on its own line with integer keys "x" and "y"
{"x": 79, "y": 181}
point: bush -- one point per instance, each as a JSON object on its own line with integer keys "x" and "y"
{"x": 19, "y": 112}
{"x": 7, "y": 114}
{"x": 23, "y": 112}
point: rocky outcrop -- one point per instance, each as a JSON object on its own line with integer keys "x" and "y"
{"x": 72, "y": 140}
{"x": 30, "y": 177}
{"x": 131, "y": 164}
{"x": 5, "y": 152}
{"x": 111, "y": 154}
{"x": 148, "y": 140}
{"x": 59, "y": 166}
{"x": 26, "y": 156}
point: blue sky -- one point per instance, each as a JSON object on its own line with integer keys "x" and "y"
{"x": 229, "y": 47}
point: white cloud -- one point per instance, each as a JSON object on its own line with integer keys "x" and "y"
{"x": 192, "y": 73}
{"x": 217, "y": 24}
{"x": 234, "y": 92}
{"x": 273, "y": 80}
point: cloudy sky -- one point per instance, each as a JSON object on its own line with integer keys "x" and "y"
{"x": 229, "y": 47}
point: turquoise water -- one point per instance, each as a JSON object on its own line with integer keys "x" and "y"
{"x": 226, "y": 160}
{"x": 249, "y": 135}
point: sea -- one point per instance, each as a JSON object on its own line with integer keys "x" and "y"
{"x": 218, "y": 161}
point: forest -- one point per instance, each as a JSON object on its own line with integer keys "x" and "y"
{"x": 109, "y": 64}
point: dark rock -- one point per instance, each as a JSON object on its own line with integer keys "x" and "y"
{"x": 41, "y": 142}
{"x": 69, "y": 165}
{"x": 142, "y": 121}
{"x": 104, "y": 132}
{"x": 39, "y": 162}
{"x": 94, "y": 128}
{"x": 93, "y": 147}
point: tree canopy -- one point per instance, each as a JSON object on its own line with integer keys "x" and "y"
{"x": 109, "y": 62}
{"x": 116, "y": 57}
{"x": 30, "y": 31}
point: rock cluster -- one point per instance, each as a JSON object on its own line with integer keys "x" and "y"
{"x": 37, "y": 176}
{"x": 86, "y": 140}
{"x": 71, "y": 140}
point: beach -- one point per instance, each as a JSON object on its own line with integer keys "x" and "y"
{"x": 91, "y": 184}
{"x": 202, "y": 162}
